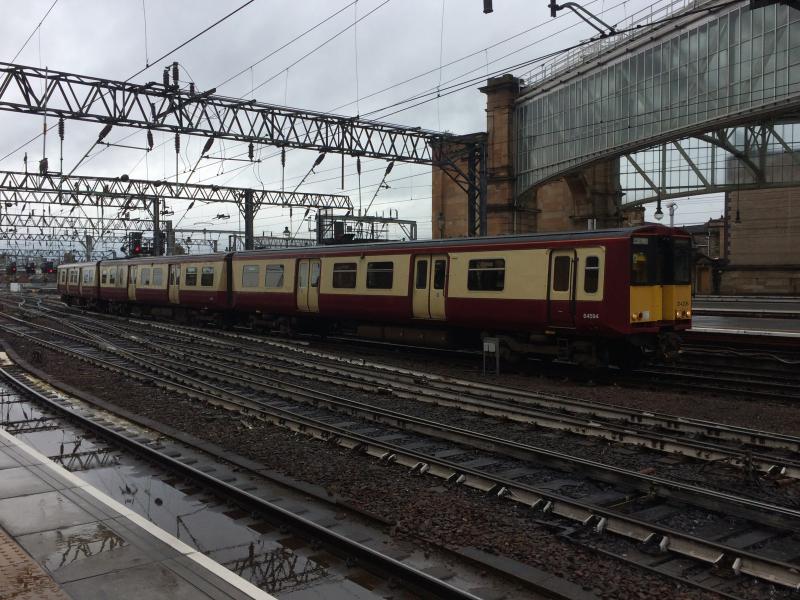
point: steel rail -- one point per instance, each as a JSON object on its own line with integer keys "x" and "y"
{"x": 465, "y": 400}
{"x": 661, "y": 442}
{"x": 600, "y": 518}
{"x": 492, "y": 397}
{"x": 336, "y": 543}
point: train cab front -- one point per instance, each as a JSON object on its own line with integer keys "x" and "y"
{"x": 660, "y": 290}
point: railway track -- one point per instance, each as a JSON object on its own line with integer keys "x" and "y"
{"x": 222, "y": 484}
{"x": 763, "y": 373}
{"x": 468, "y": 458}
{"x": 754, "y": 450}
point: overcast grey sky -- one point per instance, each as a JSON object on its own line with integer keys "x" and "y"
{"x": 401, "y": 39}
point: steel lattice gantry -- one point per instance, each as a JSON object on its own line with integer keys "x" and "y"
{"x": 165, "y": 107}
{"x": 20, "y": 190}
{"x": 130, "y": 194}
{"x": 718, "y": 83}
{"x": 57, "y": 223}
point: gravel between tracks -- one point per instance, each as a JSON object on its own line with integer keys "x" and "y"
{"x": 422, "y": 508}
{"x": 720, "y": 408}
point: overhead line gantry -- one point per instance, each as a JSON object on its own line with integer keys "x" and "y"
{"x": 125, "y": 195}
{"x": 165, "y": 107}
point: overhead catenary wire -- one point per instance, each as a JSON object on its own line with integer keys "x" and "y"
{"x": 35, "y": 29}
{"x": 434, "y": 70}
{"x": 320, "y": 46}
{"x": 287, "y": 44}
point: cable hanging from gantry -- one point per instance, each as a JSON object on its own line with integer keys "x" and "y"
{"x": 317, "y": 163}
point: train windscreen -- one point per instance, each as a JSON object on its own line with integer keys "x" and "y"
{"x": 660, "y": 261}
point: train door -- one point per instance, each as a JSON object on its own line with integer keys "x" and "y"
{"x": 430, "y": 278}
{"x": 561, "y": 288}
{"x": 174, "y": 283}
{"x": 308, "y": 276}
{"x": 132, "y": 282}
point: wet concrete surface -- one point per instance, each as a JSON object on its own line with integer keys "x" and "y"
{"x": 265, "y": 554}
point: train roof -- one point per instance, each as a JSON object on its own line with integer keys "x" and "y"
{"x": 616, "y": 233}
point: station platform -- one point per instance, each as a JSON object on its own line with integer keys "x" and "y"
{"x": 747, "y": 325}
{"x": 767, "y": 307}
{"x": 62, "y": 539}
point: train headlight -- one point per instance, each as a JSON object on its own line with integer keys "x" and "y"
{"x": 677, "y": 314}
{"x": 633, "y": 316}
{"x": 688, "y": 313}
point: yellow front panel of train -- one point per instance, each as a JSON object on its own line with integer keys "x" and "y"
{"x": 646, "y": 303}
{"x": 677, "y": 302}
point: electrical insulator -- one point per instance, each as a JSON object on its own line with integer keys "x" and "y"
{"x": 61, "y": 128}
{"x": 175, "y": 74}
{"x": 177, "y": 143}
{"x": 207, "y": 146}
{"x": 149, "y": 140}
{"x": 166, "y": 76}
{"x": 43, "y": 166}
{"x": 283, "y": 156}
{"x": 358, "y": 164}
{"x": 191, "y": 88}
{"x": 250, "y": 151}
{"x": 25, "y": 161}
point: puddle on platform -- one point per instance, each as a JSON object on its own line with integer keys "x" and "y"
{"x": 83, "y": 541}
{"x": 252, "y": 549}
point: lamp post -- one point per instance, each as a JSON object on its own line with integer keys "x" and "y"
{"x": 659, "y": 214}
{"x": 672, "y": 206}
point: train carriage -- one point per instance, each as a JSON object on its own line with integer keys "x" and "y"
{"x": 79, "y": 282}
{"x": 595, "y": 297}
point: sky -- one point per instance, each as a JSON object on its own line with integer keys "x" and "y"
{"x": 398, "y": 48}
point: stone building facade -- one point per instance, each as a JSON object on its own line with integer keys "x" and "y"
{"x": 762, "y": 242}
{"x": 589, "y": 199}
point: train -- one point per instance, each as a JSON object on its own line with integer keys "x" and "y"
{"x": 596, "y": 298}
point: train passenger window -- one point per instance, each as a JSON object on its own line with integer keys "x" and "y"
{"x": 120, "y": 276}
{"x": 133, "y": 276}
{"x": 422, "y": 275}
{"x": 315, "y": 270}
{"x": 591, "y": 275}
{"x": 158, "y": 277}
{"x": 207, "y": 276}
{"x": 112, "y": 276}
{"x": 145, "y": 277}
{"x": 62, "y": 276}
{"x": 486, "y": 274}
{"x": 439, "y": 273}
{"x": 344, "y": 275}
{"x": 88, "y": 276}
{"x": 103, "y": 276}
{"x": 250, "y": 276}
{"x": 380, "y": 275}
{"x": 191, "y": 276}
{"x": 561, "y": 269}
{"x": 274, "y": 276}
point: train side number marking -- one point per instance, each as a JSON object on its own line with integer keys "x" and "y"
{"x": 591, "y": 316}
